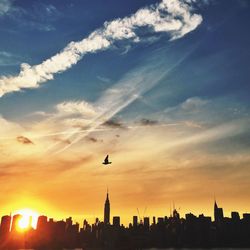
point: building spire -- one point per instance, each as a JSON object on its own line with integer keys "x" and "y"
{"x": 107, "y": 198}
{"x": 215, "y": 203}
{"x": 107, "y": 210}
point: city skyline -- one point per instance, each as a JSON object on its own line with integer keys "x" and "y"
{"x": 19, "y": 231}
{"x": 160, "y": 86}
{"x": 30, "y": 217}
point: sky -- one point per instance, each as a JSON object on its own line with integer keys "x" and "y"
{"x": 162, "y": 86}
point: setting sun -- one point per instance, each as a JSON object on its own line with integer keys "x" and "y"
{"x": 28, "y": 218}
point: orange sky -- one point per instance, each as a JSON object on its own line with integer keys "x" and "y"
{"x": 152, "y": 167}
{"x": 161, "y": 88}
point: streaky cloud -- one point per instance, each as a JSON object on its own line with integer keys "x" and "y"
{"x": 215, "y": 133}
{"x": 113, "y": 100}
{"x": 174, "y": 17}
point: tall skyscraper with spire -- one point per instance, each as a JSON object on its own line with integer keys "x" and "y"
{"x": 218, "y": 213}
{"x": 107, "y": 210}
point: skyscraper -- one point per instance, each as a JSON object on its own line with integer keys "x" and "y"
{"x": 135, "y": 221}
{"x": 116, "y": 221}
{"x": 218, "y": 214}
{"x": 107, "y": 210}
{"x": 15, "y": 220}
{"x": 5, "y": 224}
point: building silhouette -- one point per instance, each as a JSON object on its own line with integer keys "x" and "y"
{"x": 135, "y": 221}
{"x": 164, "y": 232}
{"x": 218, "y": 213}
{"x": 15, "y": 221}
{"x": 107, "y": 210}
{"x": 116, "y": 221}
{"x": 5, "y": 224}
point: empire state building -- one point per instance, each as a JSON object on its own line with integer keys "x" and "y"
{"x": 107, "y": 210}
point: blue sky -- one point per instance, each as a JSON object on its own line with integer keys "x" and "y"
{"x": 35, "y": 30}
{"x": 187, "y": 74}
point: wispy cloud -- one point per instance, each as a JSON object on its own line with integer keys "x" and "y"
{"x": 81, "y": 107}
{"x": 148, "y": 122}
{"x": 103, "y": 79}
{"x": 8, "y": 128}
{"x": 174, "y": 17}
{"x": 114, "y": 123}
{"x": 40, "y": 16}
{"x": 5, "y": 6}
{"x": 24, "y": 140}
{"x": 113, "y": 100}
{"x": 190, "y": 105}
{"x": 8, "y": 59}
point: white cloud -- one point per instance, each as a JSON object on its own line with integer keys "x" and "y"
{"x": 81, "y": 107}
{"x": 190, "y": 105}
{"x": 193, "y": 103}
{"x": 171, "y": 16}
{"x": 115, "y": 99}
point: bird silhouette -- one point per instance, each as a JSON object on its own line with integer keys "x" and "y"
{"x": 106, "y": 161}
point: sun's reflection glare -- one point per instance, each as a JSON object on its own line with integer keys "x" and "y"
{"x": 28, "y": 218}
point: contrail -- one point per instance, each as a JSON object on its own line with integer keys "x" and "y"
{"x": 174, "y": 17}
{"x": 123, "y": 94}
{"x": 217, "y": 132}
{"x": 39, "y": 136}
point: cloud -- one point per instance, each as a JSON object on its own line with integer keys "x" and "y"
{"x": 73, "y": 120}
{"x": 193, "y": 103}
{"x": 58, "y": 139}
{"x": 80, "y": 107}
{"x": 114, "y": 123}
{"x": 24, "y": 140}
{"x": 192, "y": 124}
{"x": 214, "y": 134}
{"x": 120, "y": 95}
{"x": 8, "y": 128}
{"x": 148, "y": 122}
{"x": 5, "y": 6}
{"x": 37, "y": 15}
{"x": 45, "y": 12}
{"x": 73, "y": 114}
{"x": 171, "y": 16}
{"x": 190, "y": 107}
{"x": 93, "y": 139}
{"x": 8, "y": 59}
{"x": 103, "y": 79}
{"x": 40, "y": 16}
{"x": 113, "y": 100}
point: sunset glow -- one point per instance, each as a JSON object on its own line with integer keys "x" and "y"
{"x": 28, "y": 219}
{"x": 161, "y": 86}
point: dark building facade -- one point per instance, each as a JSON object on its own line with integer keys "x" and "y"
{"x": 5, "y": 224}
{"x": 107, "y": 210}
{"x": 218, "y": 214}
{"x": 116, "y": 221}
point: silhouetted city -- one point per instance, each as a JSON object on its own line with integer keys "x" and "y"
{"x": 161, "y": 232}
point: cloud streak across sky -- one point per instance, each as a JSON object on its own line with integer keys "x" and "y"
{"x": 113, "y": 100}
{"x": 173, "y": 17}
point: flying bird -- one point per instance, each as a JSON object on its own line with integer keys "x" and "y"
{"x": 106, "y": 161}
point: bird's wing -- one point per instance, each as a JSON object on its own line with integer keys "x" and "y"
{"x": 107, "y": 158}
